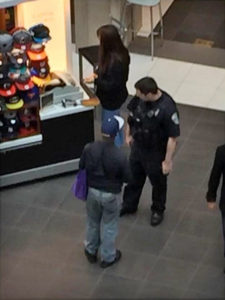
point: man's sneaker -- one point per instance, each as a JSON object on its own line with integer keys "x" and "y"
{"x": 125, "y": 211}
{"x": 105, "y": 264}
{"x": 92, "y": 258}
{"x": 156, "y": 218}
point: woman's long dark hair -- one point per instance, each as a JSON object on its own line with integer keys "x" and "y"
{"x": 111, "y": 48}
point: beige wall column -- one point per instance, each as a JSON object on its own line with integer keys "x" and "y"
{"x": 91, "y": 14}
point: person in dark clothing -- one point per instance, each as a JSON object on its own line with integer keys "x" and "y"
{"x": 111, "y": 74}
{"x": 152, "y": 131}
{"x": 218, "y": 172}
{"x": 107, "y": 169}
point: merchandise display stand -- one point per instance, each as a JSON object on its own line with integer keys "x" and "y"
{"x": 63, "y": 125}
{"x": 65, "y": 131}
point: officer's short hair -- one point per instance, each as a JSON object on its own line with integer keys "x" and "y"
{"x": 146, "y": 85}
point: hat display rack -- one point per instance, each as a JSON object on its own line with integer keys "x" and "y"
{"x": 24, "y": 70}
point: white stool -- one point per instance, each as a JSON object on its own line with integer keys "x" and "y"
{"x": 149, "y": 3}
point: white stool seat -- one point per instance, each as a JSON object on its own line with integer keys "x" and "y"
{"x": 144, "y": 2}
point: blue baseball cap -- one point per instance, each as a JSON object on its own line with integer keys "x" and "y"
{"x": 112, "y": 125}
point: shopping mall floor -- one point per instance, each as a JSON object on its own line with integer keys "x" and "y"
{"x": 43, "y": 225}
{"x": 43, "y": 229}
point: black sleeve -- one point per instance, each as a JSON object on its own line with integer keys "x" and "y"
{"x": 172, "y": 122}
{"x": 112, "y": 79}
{"x": 215, "y": 176}
{"x": 133, "y": 103}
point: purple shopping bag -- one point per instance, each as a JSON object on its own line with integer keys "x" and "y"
{"x": 80, "y": 187}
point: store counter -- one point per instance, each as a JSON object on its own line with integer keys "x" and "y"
{"x": 64, "y": 133}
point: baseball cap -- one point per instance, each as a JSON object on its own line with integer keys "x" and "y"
{"x": 36, "y": 55}
{"x": 22, "y": 38}
{"x": 41, "y": 81}
{"x": 18, "y": 58}
{"x": 28, "y": 115}
{"x": 112, "y": 125}
{"x": 11, "y": 124}
{"x": 30, "y": 95}
{"x": 41, "y": 72}
{"x": 6, "y": 42}
{"x": 26, "y": 131}
{"x": 15, "y": 73}
{"x": 40, "y": 33}
{"x": 37, "y": 64}
{"x": 14, "y": 102}
{"x": 7, "y": 88}
{"x": 24, "y": 83}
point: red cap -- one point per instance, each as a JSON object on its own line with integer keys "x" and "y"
{"x": 10, "y": 92}
{"x": 25, "y": 86}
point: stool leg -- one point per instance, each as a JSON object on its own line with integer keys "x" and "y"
{"x": 152, "y": 33}
{"x": 122, "y": 20}
{"x": 161, "y": 21}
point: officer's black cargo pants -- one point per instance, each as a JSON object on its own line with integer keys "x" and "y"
{"x": 144, "y": 164}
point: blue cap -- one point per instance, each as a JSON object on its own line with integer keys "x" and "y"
{"x": 112, "y": 125}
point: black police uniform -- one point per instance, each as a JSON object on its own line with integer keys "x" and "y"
{"x": 151, "y": 124}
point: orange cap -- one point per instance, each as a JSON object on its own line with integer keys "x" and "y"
{"x": 36, "y": 56}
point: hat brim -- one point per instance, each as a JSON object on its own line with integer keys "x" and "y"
{"x": 36, "y": 55}
{"x": 27, "y": 131}
{"x": 120, "y": 121}
{"x": 17, "y": 105}
{"x": 42, "y": 40}
{"x": 41, "y": 81}
{"x": 25, "y": 86}
{"x": 8, "y": 93}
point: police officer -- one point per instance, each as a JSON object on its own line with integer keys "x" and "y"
{"x": 152, "y": 131}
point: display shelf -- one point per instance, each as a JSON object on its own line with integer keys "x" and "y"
{"x": 14, "y": 144}
{"x": 58, "y": 110}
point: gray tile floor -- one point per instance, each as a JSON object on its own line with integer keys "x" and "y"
{"x": 43, "y": 226}
{"x": 184, "y": 22}
{"x": 187, "y": 20}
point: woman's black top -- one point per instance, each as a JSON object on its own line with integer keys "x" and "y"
{"x": 111, "y": 85}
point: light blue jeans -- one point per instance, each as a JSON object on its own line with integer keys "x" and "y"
{"x": 102, "y": 223}
{"x": 119, "y": 139}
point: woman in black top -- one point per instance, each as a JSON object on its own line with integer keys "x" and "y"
{"x": 112, "y": 73}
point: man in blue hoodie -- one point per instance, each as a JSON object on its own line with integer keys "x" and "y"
{"x": 107, "y": 169}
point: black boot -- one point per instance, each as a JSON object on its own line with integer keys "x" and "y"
{"x": 105, "y": 264}
{"x": 92, "y": 258}
{"x": 156, "y": 218}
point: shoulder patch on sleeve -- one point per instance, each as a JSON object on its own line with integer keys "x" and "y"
{"x": 175, "y": 118}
